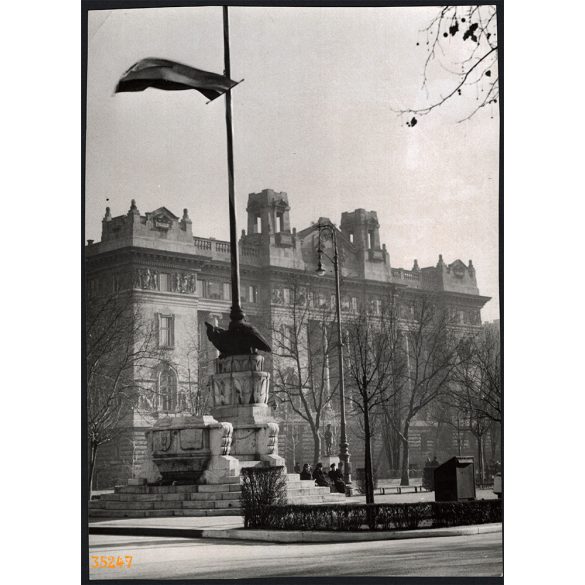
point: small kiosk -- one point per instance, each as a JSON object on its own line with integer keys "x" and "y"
{"x": 455, "y": 480}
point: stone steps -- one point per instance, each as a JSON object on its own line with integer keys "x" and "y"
{"x": 163, "y": 513}
{"x": 142, "y": 501}
{"x": 317, "y": 499}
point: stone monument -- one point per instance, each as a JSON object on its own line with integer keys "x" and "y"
{"x": 190, "y": 450}
{"x": 240, "y": 389}
{"x": 241, "y": 431}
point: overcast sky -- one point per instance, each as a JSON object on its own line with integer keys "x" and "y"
{"x": 313, "y": 118}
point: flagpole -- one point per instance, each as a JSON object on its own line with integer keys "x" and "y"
{"x": 236, "y": 313}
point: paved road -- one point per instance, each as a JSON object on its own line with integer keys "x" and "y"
{"x": 180, "y": 558}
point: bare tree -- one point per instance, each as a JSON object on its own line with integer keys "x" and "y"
{"x": 476, "y": 391}
{"x": 302, "y": 342}
{"x": 118, "y": 342}
{"x": 195, "y": 361}
{"x": 461, "y": 40}
{"x": 485, "y": 356}
{"x": 445, "y": 412}
{"x": 373, "y": 358}
{"x": 430, "y": 350}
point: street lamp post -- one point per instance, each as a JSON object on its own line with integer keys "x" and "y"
{"x": 343, "y": 444}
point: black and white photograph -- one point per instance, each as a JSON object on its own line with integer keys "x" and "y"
{"x": 292, "y": 291}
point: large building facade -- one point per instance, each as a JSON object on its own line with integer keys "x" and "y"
{"x": 181, "y": 281}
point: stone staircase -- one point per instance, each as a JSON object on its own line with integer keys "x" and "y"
{"x": 144, "y": 501}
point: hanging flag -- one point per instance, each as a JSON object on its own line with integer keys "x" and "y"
{"x": 173, "y": 76}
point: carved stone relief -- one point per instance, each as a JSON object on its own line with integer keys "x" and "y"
{"x": 180, "y": 282}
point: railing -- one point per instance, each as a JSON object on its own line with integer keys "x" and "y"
{"x": 222, "y": 247}
{"x": 202, "y": 244}
{"x": 405, "y": 274}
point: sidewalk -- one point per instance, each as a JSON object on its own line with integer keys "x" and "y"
{"x": 232, "y": 527}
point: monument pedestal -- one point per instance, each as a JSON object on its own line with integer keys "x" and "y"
{"x": 327, "y": 460}
{"x": 240, "y": 397}
{"x": 201, "y": 450}
{"x": 190, "y": 450}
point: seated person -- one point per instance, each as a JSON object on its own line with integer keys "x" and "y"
{"x": 306, "y": 472}
{"x": 336, "y": 478}
{"x": 319, "y": 476}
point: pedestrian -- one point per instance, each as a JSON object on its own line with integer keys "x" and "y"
{"x": 297, "y": 468}
{"x": 319, "y": 476}
{"x": 336, "y": 479}
{"x": 306, "y": 472}
{"x": 427, "y": 479}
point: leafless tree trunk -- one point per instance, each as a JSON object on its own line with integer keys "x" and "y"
{"x": 430, "y": 356}
{"x": 373, "y": 345}
{"x": 302, "y": 340}
{"x": 118, "y": 342}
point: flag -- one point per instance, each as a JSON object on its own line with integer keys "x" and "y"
{"x": 173, "y": 76}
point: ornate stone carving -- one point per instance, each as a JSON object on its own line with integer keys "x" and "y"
{"x": 272, "y": 439}
{"x": 180, "y": 282}
{"x": 192, "y": 439}
{"x": 186, "y": 448}
{"x": 239, "y": 363}
{"x": 277, "y": 296}
{"x": 226, "y": 440}
{"x": 237, "y": 388}
{"x": 260, "y": 389}
{"x": 242, "y": 379}
{"x": 162, "y": 440}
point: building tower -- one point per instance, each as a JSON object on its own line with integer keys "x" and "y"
{"x": 362, "y": 229}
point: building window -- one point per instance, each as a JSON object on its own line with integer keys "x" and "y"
{"x": 345, "y": 303}
{"x": 354, "y": 304}
{"x": 213, "y": 290}
{"x": 167, "y": 389}
{"x": 200, "y": 287}
{"x": 279, "y": 221}
{"x": 371, "y": 239}
{"x": 258, "y": 224}
{"x": 351, "y": 237}
{"x": 286, "y": 295}
{"x": 227, "y": 291}
{"x": 164, "y": 282}
{"x": 288, "y": 338}
{"x": 166, "y": 330}
{"x": 252, "y": 294}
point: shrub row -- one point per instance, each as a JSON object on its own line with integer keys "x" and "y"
{"x": 348, "y": 517}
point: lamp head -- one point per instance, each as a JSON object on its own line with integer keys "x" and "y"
{"x": 320, "y": 270}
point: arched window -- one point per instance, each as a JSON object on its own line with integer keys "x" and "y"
{"x": 167, "y": 388}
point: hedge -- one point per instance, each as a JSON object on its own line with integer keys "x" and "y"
{"x": 352, "y": 517}
{"x": 262, "y": 489}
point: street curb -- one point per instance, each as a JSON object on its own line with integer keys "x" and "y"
{"x": 288, "y": 536}
{"x": 322, "y": 536}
